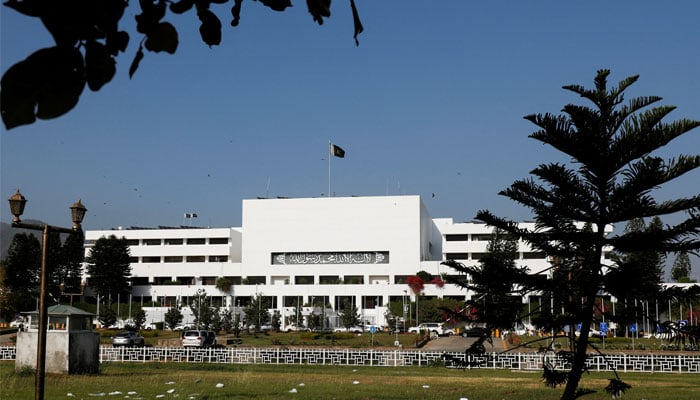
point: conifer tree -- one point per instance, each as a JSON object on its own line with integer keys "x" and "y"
{"x": 609, "y": 179}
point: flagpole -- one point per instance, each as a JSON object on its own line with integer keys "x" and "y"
{"x": 329, "y": 168}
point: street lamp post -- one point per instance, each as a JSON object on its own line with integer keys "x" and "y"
{"x": 62, "y": 287}
{"x": 78, "y": 210}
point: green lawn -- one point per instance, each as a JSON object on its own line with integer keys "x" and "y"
{"x": 199, "y": 381}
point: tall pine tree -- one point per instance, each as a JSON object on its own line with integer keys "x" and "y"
{"x": 609, "y": 179}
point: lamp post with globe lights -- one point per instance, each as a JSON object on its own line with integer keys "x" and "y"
{"x": 78, "y": 210}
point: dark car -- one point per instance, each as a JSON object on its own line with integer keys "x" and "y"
{"x": 475, "y": 332}
{"x": 127, "y": 338}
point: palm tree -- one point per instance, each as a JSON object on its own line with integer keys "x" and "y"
{"x": 610, "y": 179}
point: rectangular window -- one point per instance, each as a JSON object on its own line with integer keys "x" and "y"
{"x": 151, "y": 242}
{"x": 150, "y": 259}
{"x": 132, "y": 242}
{"x": 196, "y": 258}
{"x": 218, "y": 240}
{"x": 354, "y": 279}
{"x": 173, "y": 242}
{"x": 400, "y": 279}
{"x": 457, "y": 256}
{"x": 235, "y": 280}
{"x": 254, "y": 280}
{"x": 304, "y": 280}
{"x": 293, "y": 301}
{"x": 196, "y": 241}
{"x": 218, "y": 258}
{"x": 133, "y": 260}
{"x": 186, "y": 280}
{"x": 457, "y": 237}
{"x": 172, "y": 259}
{"x": 481, "y": 237}
{"x": 208, "y": 280}
{"x": 478, "y": 256}
{"x": 139, "y": 280}
{"x": 329, "y": 279}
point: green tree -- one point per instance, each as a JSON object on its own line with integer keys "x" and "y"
{"x": 69, "y": 273}
{"x": 227, "y": 320}
{"x": 107, "y": 316}
{"x": 49, "y": 82}
{"x": 109, "y": 266}
{"x": 21, "y": 274}
{"x": 680, "y": 272}
{"x": 349, "y": 316}
{"x": 172, "y": 317}
{"x": 276, "y": 320}
{"x": 494, "y": 282}
{"x": 257, "y": 312}
{"x": 139, "y": 318}
{"x": 638, "y": 274}
{"x": 224, "y": 284}
{"x": 202, "y": 310}
{"x": 610, "y": 180}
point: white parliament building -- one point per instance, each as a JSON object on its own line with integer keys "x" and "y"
{"x": 305, "y": 251}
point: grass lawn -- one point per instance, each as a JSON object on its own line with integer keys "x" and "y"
{"x": 199, "y": 381}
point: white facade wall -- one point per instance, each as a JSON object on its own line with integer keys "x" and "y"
{"x": 291, "y": 248}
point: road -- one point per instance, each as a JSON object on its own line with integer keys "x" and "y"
{"x": 460, "y": 344}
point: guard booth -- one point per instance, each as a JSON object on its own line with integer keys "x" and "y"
{"x": 71, "y": 345}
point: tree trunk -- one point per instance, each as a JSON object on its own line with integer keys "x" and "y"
{"x": 580, "y": 353}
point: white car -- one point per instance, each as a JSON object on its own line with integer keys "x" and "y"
{"x": 432, "y": 327}
{"x": 352, "y": 329}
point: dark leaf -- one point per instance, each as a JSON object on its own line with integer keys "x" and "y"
{"x": 162, "y": 38}
{"x": 210, "y": 30}
{"x": 319, "y": 9}
{"x": 117, "y": 42}
{"x": 236, "y": 12}
{"x": 135, "y": 64}
{"x": 100, "y": 66}
{"x": 553, "y": 378}
{"x": 150, "y": 16}
{"x": 63, "y": 82}
{"x": 616, "y": 388}
{"x": 277, "y": 5}
{"x": 181, "y": 6}
{"x": 357, "y": 22}
{"x": 18, "y": 96}
{"x": 49, "y": 81}
{"x": 31, "y": 8}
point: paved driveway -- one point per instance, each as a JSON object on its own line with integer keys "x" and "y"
{"x": 460, "y": 344}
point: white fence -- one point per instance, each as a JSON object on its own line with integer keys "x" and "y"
{"x": 388, "y": 358}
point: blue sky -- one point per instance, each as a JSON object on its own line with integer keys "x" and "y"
{"x": 431, "y": 102}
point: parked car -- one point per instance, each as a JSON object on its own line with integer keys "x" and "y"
{"x": 352, "y": 329}
{"x": 199, "y": 338}
{"x": 128, "y": 338}
{"x": 432, "y": 327}
{"x": 475, "y": 331}
{"x": 294, "y": 328}
{"x": 18, "y": 323}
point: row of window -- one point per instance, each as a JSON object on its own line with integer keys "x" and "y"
{"x": 177, "y": 259}
{"x": 523, "y": 256}
{"x": 479, "y": 256}
{"x": 336, "y": 302}
{"x": 262, "y": 280}
{"x": 464, "y": 237}
{"x": 176, "y": 242}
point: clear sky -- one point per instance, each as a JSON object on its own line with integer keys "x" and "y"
{"x": 430, "y": 103}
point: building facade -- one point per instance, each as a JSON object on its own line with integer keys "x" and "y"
{"x": 308, "y": 251}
